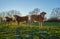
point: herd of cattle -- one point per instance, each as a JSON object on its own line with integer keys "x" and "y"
{"x": 39, "y": 18}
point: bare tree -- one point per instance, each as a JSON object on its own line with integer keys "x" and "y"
{"x": 0, "y": 17}
{"x": 55, "y": 12}
{"x": 35, "y": 11}
{"x": 13, "y": 12}
{"x": 2, "y": 14}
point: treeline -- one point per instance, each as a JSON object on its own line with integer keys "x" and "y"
{"x": 53, "y": 20}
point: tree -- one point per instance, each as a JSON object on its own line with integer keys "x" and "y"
{"x": 55, "y": 15}
{"x": 13, "y": 12}
{"x": 55, "y": 12}
{"x": 35, "y": 11}
{"x": 2, "y": 14}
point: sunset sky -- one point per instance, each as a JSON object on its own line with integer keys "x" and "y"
{"x": 25, "y": 6}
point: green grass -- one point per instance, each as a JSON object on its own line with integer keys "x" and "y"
{"x": 50, "y": 30}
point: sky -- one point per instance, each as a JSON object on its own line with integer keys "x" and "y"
{"x": 25, "y": 6}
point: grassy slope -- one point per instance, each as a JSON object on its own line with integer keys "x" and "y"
{"x": 51, "y": 28}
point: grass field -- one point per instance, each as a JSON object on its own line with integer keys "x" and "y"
{"x": 50, "y": 30}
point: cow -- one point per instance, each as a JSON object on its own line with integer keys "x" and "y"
{"x": 39, "y": 18}
{"x": 21, "y": 19}
{"x": 8, "y": 20}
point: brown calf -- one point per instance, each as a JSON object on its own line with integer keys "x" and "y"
{"x": 8, "y": 20}
{"x": 21, "y": 19}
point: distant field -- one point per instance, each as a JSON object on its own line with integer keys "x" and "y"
{"x": 50, "y": 30}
